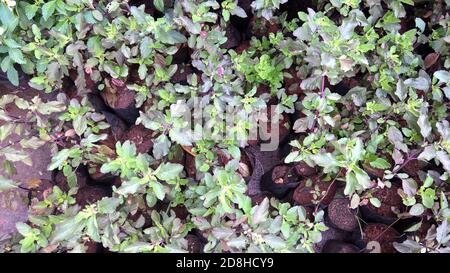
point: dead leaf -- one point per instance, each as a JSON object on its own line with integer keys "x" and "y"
{"x": 431, "y": 59}
{"x": 34, "y": 183}
{"x": 50, "y": 248}
{"x": 374, "y": 247}
{"x": 70, "y": 133}
{"x": 279, "y": 180}
{"x": 346, "y": 63}
{"x": 188, "y": 149}
{"x": 243, "y": 169}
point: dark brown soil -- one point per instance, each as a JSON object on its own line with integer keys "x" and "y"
{"x": 97, "y": 177}
{"x": 305, "y": 194}
{"x": 92, "y": 247}
{"x": 181, "y": 212}
{"x": 327, "y": 235}
{"x": 383, "y": 234}
{"x": 195, "y": 244}
{"x": 61, "y": 181}
{"x": 303, "y": 169}
{"x": 411, "y": 168}
{"x": 117, "y": 127}
{"x": 141, "y": 137}
{"x": 189, "y": 165}
{"x": 182, "y": 74}
{"x": 234, "y": 37}
{"x": 389, "y": 198}
{"x": 121, "y": 99}
{"x": 258, "y": 198}
{"x": 292, "y": 84}
{"x": 242, "y": 47}
{"x": 245, "y": 4}
{"x": 293, "y": 7}
{"x": 283, "y": 174}
{"x": 280, "y": 180}
{"x": 374, "y": 172}
{"x": 341, "y": 215}
{"x": 89, "y": 195}
{"x": 345, "y": 85}
{"x": 90, "y": 84}
{"x": 335, "y": 246}
{"x": 111, "y": 139}
{"x": 182, "y": 55}
{"x": 261, "y": 27}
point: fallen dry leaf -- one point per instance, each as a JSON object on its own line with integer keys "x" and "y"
{"x": 243, "y": 169}
{"x": 188, "y": 149}
{"x": 431, "y": 59}
{"x": 34, "y": 183}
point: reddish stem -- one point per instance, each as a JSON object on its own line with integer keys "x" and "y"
{"x": 322, "y": 91}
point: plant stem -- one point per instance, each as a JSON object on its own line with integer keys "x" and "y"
{"x": 322, "y": 90}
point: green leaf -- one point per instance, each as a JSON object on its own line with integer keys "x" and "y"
{"x": 420, "y": 24}
{"x": 48, "y": 9}
{"x": 375, "y": 201}
{"x": 30, "y": 10}
{"x": 226, "y": 15}
{"x": 59, "y": 159}
{"x": 80, "y": 125}
{"x": 442, "y": 75}
{"x": 357, "y": 150}
{"x": 380, "y": 163}
{"x": 326, "y": 160}
{"x": 129, "y": 187}
{"x": 261, "y": 212}
{"x": 159, "y": 5}
{"x": 363, "y": 178}
{"x": 161, "y": 146}
{"x": 428, "y": 196}
{"x": 92, "y": 229}
{"x": 16, "y": 55}
{"x": 417, "y": 210}
{"x": 7, "y": 184}
{"x": 351, "y": 183}
{"x": 8, "y": 19}
{"x": 274, "y": 241}
{"x": 424, "y": 124}
{"x": 6, "y": 130}
{"x": 168, "y": 171}
{"x": 97, "y": 15}
{"x": 240, "y": 12}
{"x": 23, "y": 229}
{"x": 428, "y": 182}
{"x": 409, "y": 2}
{"x": 158, "y": 189}
{"x": 235, "y": 152}
{"x": 70, "y": 228}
